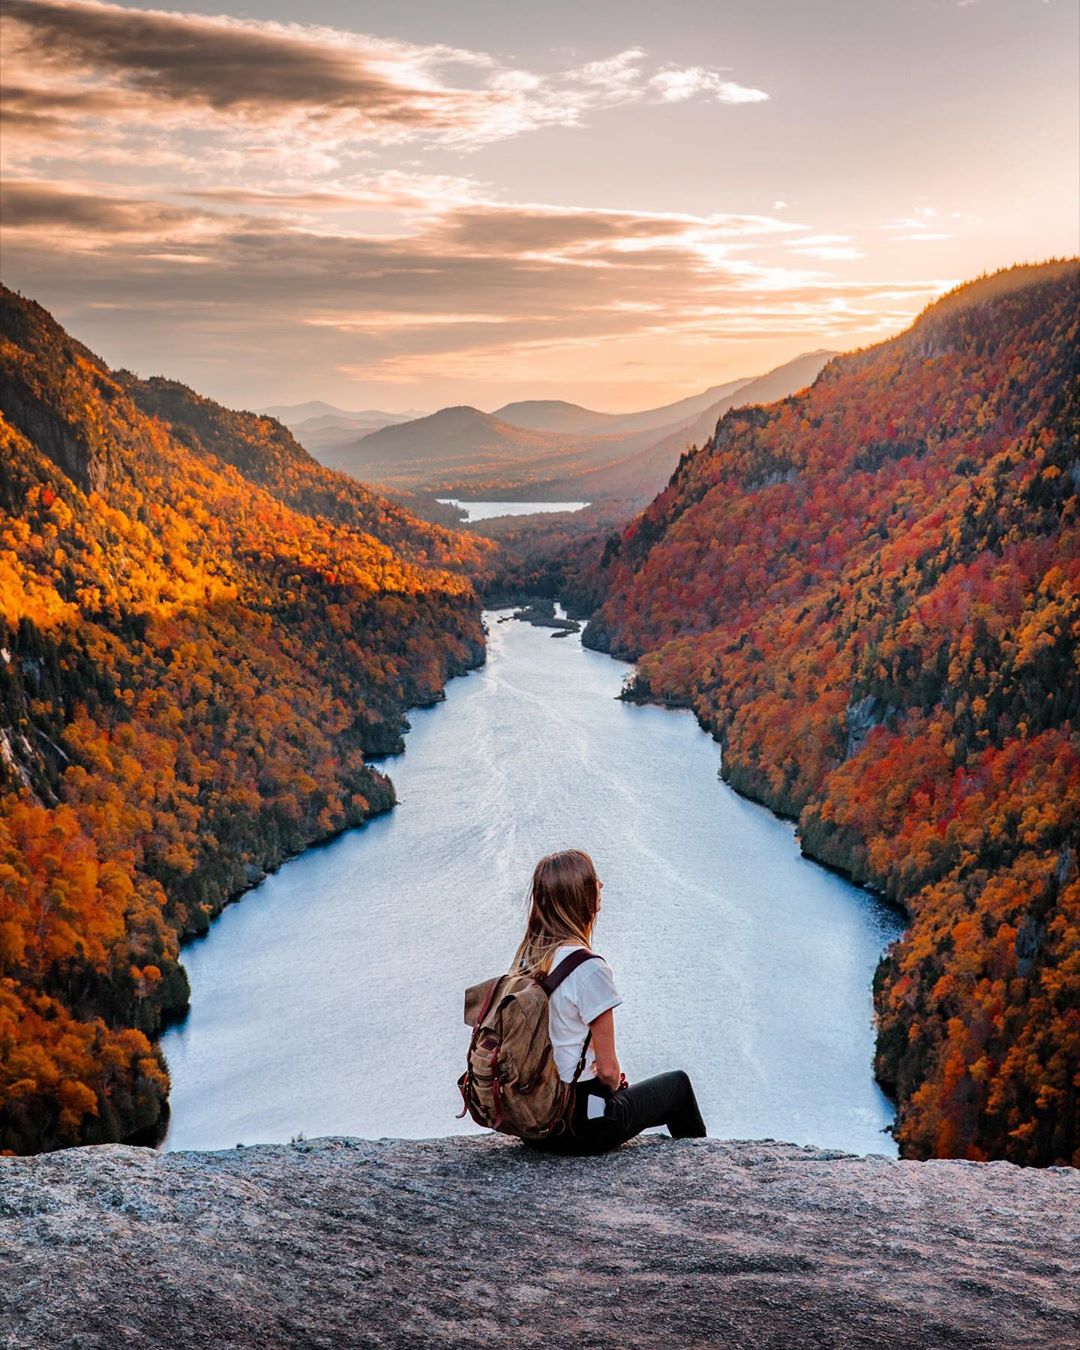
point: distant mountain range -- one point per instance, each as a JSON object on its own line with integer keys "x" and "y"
{"x": 318, "y": 424}
{"x": 292, "y": 414}
{"x": 641, "y": 475}
{"x": 555, "y": 415}
{"x": 545, "y": 448}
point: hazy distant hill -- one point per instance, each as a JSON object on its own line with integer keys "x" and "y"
{"x": 673, "y": 415}
{"x": 557, "y": 415}
{"x": 779, "y": 382}
{"x": 465, "y": 450}
{"x": 639, "y": 476}
{"x": 318, "y": 425}
{"x": 450, "y": 442}
{"x": 292, "y": 414}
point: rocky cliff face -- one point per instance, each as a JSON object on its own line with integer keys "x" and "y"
{"x": 463, "y": 1242}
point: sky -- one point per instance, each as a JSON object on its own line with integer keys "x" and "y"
{"x": 617, "y": 202}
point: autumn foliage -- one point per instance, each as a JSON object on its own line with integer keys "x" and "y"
{"x": 871, "y": 593}
{"x": 203, "y": 635}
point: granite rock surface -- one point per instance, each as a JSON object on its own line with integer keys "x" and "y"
{"x": 467, "y": 1242}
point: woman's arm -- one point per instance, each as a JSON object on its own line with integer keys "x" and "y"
{"x": 603, "y": 1044}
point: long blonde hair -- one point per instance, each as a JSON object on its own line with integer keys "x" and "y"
{"x": 564, "y": 900}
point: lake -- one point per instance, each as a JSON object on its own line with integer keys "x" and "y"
{"x": 329, "y": 1001}
{"x": 488, "y": 510}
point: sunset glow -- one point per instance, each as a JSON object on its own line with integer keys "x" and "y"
{"x": 464, "y": 204}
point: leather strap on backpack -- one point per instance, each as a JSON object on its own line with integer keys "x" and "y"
{"x": 565, "y": 968}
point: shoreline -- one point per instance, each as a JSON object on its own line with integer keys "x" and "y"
{"x": 154, "y": 1136}
{"x": 837, "y": 869}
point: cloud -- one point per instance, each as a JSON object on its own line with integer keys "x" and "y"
{"x": 830, "y": 252}
{"x": 230, "y": 65}
{"x": 616, "y": 78}
{"x": 676, "y": 84}
{"x": 71, "y": 63}
{"x": 278, "y": 233}
{"x": 91, "y": 219}
{"x": 827, "y": 247}
{"x": 924, "y": 238}
{"x": 472, "y": 290}
{"x": 923, "y": 226}
{"x": 389, "y": 190}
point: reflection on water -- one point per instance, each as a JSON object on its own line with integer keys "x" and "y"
{"x": 329, "y": 1000}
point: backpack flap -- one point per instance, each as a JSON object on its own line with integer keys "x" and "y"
{"x": 475, "y": 998}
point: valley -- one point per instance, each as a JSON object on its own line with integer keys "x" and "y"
{"x": 865, "y": 589}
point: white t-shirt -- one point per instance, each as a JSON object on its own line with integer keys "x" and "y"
{"x": 580, "y": 999}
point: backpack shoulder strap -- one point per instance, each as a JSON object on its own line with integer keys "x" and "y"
{"x": 566, "y": 966}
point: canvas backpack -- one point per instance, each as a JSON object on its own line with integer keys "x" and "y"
{"x": 511, "y": 1082}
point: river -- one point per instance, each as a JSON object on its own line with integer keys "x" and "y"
{"x": 329, "y": 1000}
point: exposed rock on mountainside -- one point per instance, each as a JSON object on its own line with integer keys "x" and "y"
{"x": 343, "y": 1242}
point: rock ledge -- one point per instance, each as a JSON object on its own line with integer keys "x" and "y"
{"x": 462, "y": 1242}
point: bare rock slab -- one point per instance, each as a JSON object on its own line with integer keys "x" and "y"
{"x": 464, "y": 1242}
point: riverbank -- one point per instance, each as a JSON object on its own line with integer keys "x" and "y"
{"x": 749, "y": 784}
{"x": 342, "y": 1242}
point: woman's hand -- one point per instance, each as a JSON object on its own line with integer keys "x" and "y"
{"x": 606, "y": 1061}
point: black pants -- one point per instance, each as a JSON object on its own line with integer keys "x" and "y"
{"x": 668, "y": 1099}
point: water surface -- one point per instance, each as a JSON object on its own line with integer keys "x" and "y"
{"x": 488, "y": 510}
{"x": 329, "y": 1000}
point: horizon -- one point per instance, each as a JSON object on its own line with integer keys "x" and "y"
{"x": 426, "y": 209}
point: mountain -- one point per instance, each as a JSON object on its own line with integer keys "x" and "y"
{"x": 672, "y": 415}
{"x": 465, "y": 450}
{"x": 552, "y": 414}
{"x": 639, "y": 476}
{"x": 542, "y": 447}
{"x": 559, "y": 416}
{"x": 269, "y": 455}
{"x": 317, "y": 425}
{"x": 453, "y": 433}
{"x": 777, "y": 383}
{"x": 870, "y": 592}
{"x": 293, "y": 414}
{"x": 318, "y": 432}
{"x": 203, "y": 634}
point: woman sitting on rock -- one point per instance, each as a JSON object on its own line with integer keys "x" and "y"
{"x": 581, "y": 1017}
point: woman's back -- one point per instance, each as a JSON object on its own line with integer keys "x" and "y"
{"x": 577, "y": 1002}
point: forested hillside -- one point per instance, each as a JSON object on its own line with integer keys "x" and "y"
{"x": 871, "y": 593}
{"x": 202, "y": 635}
